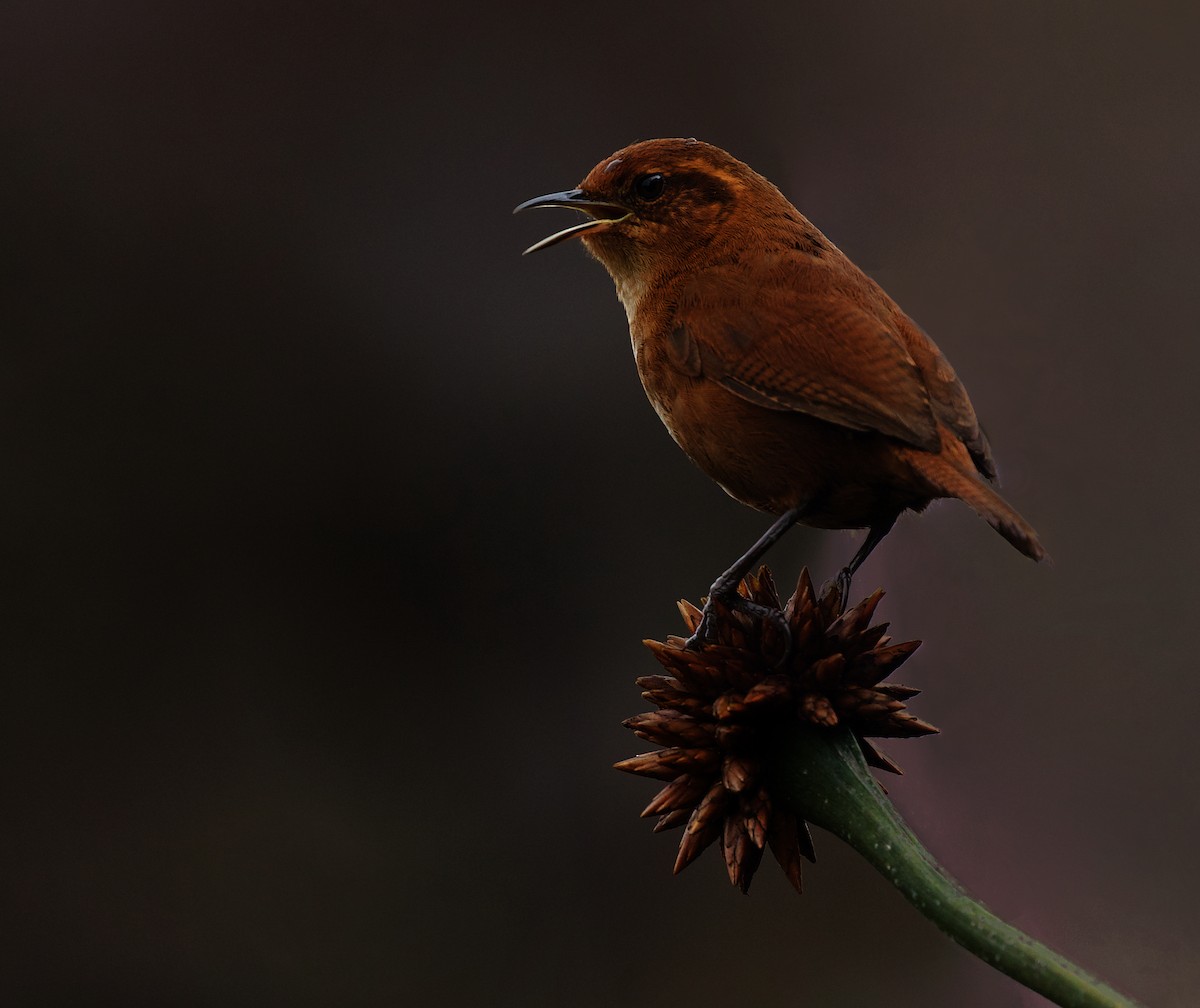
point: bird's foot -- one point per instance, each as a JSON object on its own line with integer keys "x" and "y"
{"x": 706, "y": 631}
{"x": 843, "y": 587}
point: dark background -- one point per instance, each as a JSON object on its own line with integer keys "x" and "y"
{"x": 331, "y": 526}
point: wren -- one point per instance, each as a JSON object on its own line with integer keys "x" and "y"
{"x": 781, "y": 369}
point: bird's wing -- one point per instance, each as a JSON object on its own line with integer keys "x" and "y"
{"x": 950, "y": 401}
{"x": 785, "y": 345}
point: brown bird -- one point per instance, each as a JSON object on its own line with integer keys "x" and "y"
{"x": 778, "y": 366}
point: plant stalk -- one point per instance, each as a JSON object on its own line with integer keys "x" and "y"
{"x": 823, "y": 775}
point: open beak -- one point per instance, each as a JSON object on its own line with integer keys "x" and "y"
{"x": 601, "y": 212}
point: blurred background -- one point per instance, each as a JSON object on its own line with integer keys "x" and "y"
{"x": 331, "y": 526}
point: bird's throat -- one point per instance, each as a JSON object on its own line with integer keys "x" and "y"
{"x": 630, "y": 275}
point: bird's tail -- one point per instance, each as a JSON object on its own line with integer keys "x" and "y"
{"x": 951, "y": 481}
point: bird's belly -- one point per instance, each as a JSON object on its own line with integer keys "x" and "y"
{"x": 774, "y": 460}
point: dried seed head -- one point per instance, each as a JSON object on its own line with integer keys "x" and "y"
{"x": 719, "y": 710}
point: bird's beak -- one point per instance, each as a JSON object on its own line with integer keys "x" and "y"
{"x": 601, "y": 212}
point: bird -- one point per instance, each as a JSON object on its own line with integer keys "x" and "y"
{"x": 779, "y": 367}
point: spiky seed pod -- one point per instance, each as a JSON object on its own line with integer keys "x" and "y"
{"x": 719, "y": 709}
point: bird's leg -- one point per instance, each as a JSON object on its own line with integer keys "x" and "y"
{"x": 874, "y": 537}
{"x": 725, "y": 588}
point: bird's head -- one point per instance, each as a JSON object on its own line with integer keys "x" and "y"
{"x": 651, "y": 205}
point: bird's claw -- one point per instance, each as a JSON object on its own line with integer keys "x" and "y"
{"x": 704, "y": 630}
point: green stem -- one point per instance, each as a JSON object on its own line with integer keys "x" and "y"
{"x": 823, "y": 774}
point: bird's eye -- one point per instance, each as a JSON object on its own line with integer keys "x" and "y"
{"x": 649, "y": 187}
